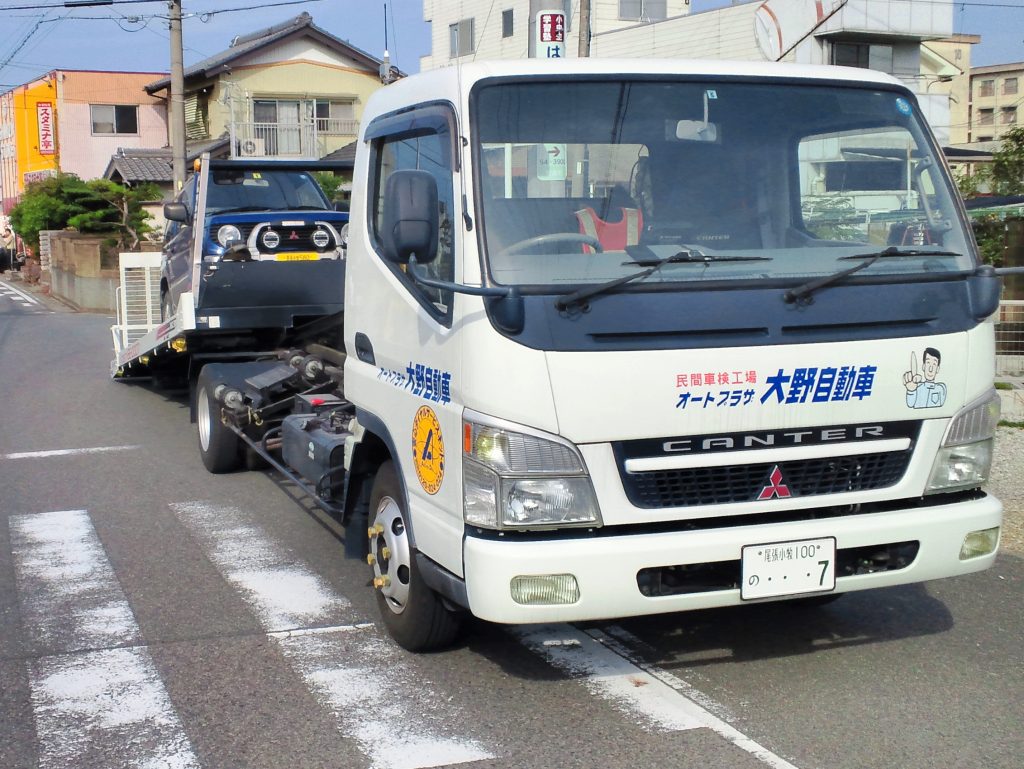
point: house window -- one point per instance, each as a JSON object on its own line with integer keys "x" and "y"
{"x": 336, "y": 118}
{"x": 987, "y": 88}
{"x": 1008, "y": 115}
{"x": 1010, "y": 86}
{"x": 986, "y": 117}
{"x": 115, "y": 118}
{"x": 863, "y": 55}
{"x": 642, "y": 10}
{"x": 506, "y": 23}
{"x": 460, "y": 38}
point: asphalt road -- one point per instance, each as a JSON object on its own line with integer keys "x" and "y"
{"x": 153, "y": 615}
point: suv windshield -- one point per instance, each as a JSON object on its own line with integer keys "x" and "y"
{"x": 590, "y": 182}
{"x": 263, "y": 190}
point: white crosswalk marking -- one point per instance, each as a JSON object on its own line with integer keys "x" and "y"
{"x": 88, "y": 698}
{"x": 609, "y": 670}
{"x": 16, "y": 295}
{"x": 370, "y": 700}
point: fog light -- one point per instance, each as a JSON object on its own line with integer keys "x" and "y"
{"x": 545, "y": 589}
{"x": 979, "y": 543}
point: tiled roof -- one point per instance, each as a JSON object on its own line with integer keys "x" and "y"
{"x": 346, "y": 154}
{"x": 245, "y": 44}
{"x": 134, "y": 165}
{"x": 141, "y": 165}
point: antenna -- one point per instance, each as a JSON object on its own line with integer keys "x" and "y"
{"x": 386, "y": 74}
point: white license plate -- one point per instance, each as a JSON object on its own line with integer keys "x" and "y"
{"x": 788, "y": 568}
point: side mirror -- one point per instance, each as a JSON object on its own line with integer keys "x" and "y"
{"x": 410, "y": 221}
{"x": 176, "y": 212}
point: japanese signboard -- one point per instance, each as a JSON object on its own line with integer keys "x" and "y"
{"x": 549, "y": 37}
{"x": 44, "y": 118}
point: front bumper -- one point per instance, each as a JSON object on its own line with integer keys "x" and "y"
{"x": 606, "y": 567}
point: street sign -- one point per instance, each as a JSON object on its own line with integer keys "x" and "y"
{"x": 551, "y": 162}
{"x": 549, "y": 35}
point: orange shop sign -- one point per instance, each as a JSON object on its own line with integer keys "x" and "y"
{"x": 44, "y": 117}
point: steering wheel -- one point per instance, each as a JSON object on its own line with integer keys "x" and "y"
{"x": 551, "y": 239}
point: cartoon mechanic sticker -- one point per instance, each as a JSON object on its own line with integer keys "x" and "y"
{"x": 923, "y": 392}
{"x": 428, "y": 449}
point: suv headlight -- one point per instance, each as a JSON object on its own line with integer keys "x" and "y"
{"x": 965, "y": 458}
{"x": 517, "y": 478}
{"x": 229, "y": 235}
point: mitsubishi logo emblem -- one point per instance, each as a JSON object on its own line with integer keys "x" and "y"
{"x": 293, "y": 236}
{"x": 775, "y": 487}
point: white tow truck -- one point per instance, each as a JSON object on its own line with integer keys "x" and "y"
{"x": 624, "y": 337}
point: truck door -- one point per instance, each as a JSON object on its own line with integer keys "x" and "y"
{"x": 403, "y": 366}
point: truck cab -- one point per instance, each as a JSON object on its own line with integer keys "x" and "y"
{"x": 638, "y": 337}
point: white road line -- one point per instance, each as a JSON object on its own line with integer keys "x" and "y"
{"x": 9, "y": 289}
{"x": 609, "y": 669}
{"x": 360, "y": 678}
{"x": 65, "y": 452}
{"x": 109, "y": 704}
{"x": 283, "y": 594}
{"x": 71, "y": 598}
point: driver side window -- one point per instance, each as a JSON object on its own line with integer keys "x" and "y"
{"x": 428, "y": 151}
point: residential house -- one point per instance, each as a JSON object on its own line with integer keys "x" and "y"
{"x": 71, "y": 121}
{"x": 291, "y": 90}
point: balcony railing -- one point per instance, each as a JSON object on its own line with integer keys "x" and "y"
{"x": 304, "y": 140}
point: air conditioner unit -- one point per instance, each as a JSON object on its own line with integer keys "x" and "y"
{"x": 252, "y": 148}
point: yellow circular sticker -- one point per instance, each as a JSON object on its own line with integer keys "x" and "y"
{"x": 428, "y": 449}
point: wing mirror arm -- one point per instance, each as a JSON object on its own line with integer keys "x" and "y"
{"x": 504, "y": 303}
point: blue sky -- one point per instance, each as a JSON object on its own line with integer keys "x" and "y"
{"x": 133, "y": 37}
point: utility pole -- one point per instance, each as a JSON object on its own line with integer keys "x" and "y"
{"x": 177, "y": 100}
{"x": 584, "y": 49}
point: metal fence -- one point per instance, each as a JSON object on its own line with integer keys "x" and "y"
{"x": 1010, "y": 338}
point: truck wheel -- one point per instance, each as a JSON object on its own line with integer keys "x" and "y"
{"x": 218, "y": 446}
{"x": 414, "y": 615}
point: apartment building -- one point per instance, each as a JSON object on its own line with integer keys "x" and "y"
{"x": 996, "y": 103}
{"x": 885, "y": 35}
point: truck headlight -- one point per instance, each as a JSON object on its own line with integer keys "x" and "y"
{"x": 518, "y": 478}
{"x": 965, "y": 458}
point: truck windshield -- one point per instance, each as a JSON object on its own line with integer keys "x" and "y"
{"x": 586, "y": 182}
{"x": 263, "y": 190}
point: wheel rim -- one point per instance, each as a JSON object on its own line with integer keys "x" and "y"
{"x": 389, "y": 545}
{"x": 203, "y": 419}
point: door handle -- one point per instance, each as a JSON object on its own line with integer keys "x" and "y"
{"x": 364, "y": 350}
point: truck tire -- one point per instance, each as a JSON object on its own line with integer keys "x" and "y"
{"x": 218, "y": 446}
{"x": 415, "y": 616}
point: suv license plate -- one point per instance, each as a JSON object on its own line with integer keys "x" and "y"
{"x": 788, "y": 568}
{"x": 297, "y": 256}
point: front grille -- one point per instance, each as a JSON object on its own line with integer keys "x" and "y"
{"x": 691, "y": 487}
{"x": 298, "y": 238}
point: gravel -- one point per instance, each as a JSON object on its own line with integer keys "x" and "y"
{"x": 1007, "y": 483}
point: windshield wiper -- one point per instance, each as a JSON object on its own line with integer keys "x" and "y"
{"x": 692, "y": 256}
{"x": 808, "y": 288}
